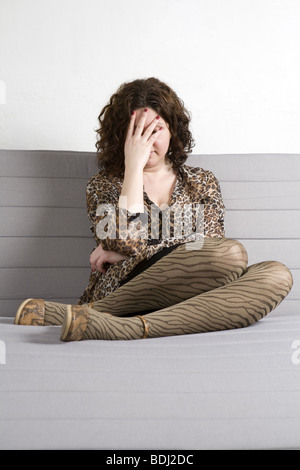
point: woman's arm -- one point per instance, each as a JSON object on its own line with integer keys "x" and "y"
{"x": 214, "y": 209}
{"x": 138, "y": 145}
{"x": 111, "y": 226}
{"x": 113, "y": 212}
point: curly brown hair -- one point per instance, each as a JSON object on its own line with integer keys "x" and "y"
{"x": 115, "y": 116}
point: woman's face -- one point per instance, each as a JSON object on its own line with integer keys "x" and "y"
{"x": 161, "y": 145}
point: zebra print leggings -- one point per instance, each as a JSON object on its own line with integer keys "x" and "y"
{"x": 191, "y": 291}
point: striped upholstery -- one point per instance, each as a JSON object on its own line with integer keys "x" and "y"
{"x": 45, "y": 239}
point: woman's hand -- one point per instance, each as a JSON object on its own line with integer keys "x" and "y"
{"x": 99, "y": 257}
{"x": 139, "y": 141}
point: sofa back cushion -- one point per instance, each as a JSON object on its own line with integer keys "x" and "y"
{"x": 45, "y": 241}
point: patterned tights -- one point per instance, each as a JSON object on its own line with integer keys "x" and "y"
{"x": 188, "y": 291}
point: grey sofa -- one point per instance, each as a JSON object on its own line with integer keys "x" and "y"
{"x": 236, "y": 389}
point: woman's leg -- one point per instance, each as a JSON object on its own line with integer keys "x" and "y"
{"x": 180, "y": 275}
{"x": 54, "y": 313}
{"x": 240, "y": 303}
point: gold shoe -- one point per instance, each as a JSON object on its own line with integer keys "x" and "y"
{"x": 78, "y": 325}
{"x": 75, "y": 322}
{"x": 31, "y": 312}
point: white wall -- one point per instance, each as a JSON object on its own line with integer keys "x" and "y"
{"x": 235, "y": 63}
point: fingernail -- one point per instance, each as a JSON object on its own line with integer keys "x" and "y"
{"x": 157, "y": 117}
{"x": 132, "y": 113}
{"x": 146, "y": 109}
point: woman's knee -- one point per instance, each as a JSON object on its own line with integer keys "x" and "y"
{"x": 227, "y": 255}
{"x": 226, "y": 247}
{"x": 238, "y": 250}
{"x": 280, "y": 273}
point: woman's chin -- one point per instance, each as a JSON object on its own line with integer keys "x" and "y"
{"x": 154, "y": 162}
{"x": 149, "y": 162}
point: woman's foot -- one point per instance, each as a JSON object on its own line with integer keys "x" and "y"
{"x": 75, "y": 323}
{"x": 31, "y": 312}
{"x": 39, "y": 312}
{"x": 82, "y": 323}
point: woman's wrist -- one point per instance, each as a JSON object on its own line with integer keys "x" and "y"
{"x": 133, "y": 171}
{"x": 132, "y": 196}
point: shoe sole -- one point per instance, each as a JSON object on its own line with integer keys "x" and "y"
{"x": 19, "y": 311}
{"x": 66, "y": 323}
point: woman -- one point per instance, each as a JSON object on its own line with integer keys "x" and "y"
{"x": 162, "y": 265}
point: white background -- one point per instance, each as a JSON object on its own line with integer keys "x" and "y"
{"x": 235, "y": 64}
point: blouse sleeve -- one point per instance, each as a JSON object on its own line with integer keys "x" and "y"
{"x": 116, "y": 229}
{"x": 214, "y": 209}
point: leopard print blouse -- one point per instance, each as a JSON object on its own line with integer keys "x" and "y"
{"x": 196, "y": 202}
